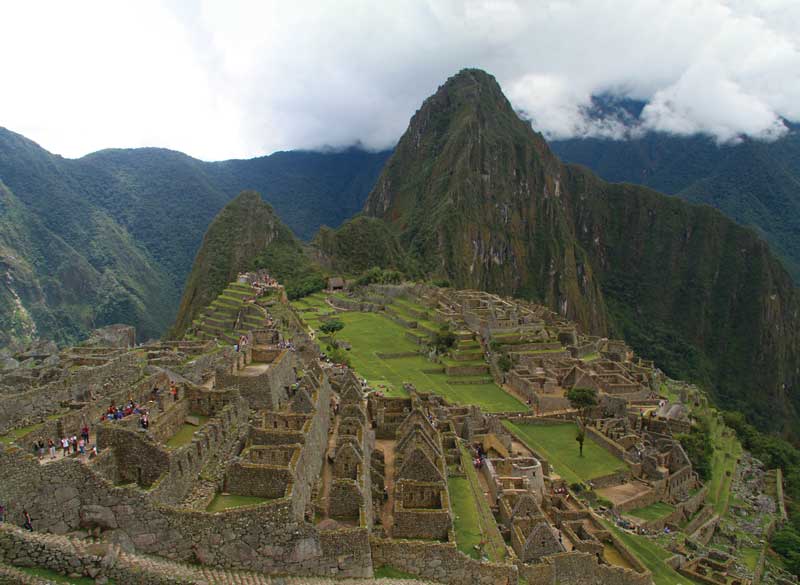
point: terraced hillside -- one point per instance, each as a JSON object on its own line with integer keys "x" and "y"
{"x": 228, "y": 312}
{"x": 389, "y": 348}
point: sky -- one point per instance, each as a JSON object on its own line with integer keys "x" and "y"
{"x": 234, "y": 79}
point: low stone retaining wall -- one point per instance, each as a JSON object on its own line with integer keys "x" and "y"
{"x": 441, "y": 562}
{"x": 611, "y": 446}
{"x": 398, "y": 355}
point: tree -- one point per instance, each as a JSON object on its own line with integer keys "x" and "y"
{"x": 444, "y": 339}
{"x": 330, "y": 328}
{"x": 583, "y": 400}
{"x": 580, "y": 436}
{"x": 504, "y": 363}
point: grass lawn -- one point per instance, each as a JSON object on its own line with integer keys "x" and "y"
{"x": 465, "y": 509}
{"x": 495, "y": 548}
{"x": 652, "y": 556}
{"x": 184, "y": 434}
{"x": 653, "y": 511}
{"x": 557, "y": 444}
{"x": 385, "y": 572}
{"x": 15, "y": 434}
{"x": 372, "y": 333}
{"x": 50, "y": 575}
{"x": 226, "y": 502}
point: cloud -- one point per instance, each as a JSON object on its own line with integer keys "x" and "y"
{"x": 236, "y": 79}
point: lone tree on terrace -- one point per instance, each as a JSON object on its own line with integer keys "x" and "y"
{"x": 331, "y": 328}
{"x": 583, "y": 400}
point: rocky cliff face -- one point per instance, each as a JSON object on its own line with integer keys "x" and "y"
{"x": 474, "y": 194}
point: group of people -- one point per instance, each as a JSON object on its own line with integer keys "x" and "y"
{"x": 286, "y": 345}
{"x": 480, "y": 455}
{"x": 66, "y": 445}
{"x": 115, "y": 412}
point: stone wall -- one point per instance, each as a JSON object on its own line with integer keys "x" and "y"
{"x": 32, "y": 406}
{"x": 441, "y": 562}
{"x": 579, "y": 569}
{"x": 262, "y": 481}
{"x": 269, "y": 537}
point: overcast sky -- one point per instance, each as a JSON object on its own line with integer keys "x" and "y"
{"x": 229, "y": 79}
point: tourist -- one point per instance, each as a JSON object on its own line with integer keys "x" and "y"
{"x": 40, "y": 448}
{"x": 52, "y": 448}
{"x": 173, "y": 389}
{"x": 93, "y": 452}
{"x": 65, "y": 446}
{"x": 74, "y": 444}
{"x": 28, "y": 525}
{"x": 2, "y": 513}
{"x": 85, "y": 433}
{"x": 82, "y": 446}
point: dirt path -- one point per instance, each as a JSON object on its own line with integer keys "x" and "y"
{"x": 387, "y": 446}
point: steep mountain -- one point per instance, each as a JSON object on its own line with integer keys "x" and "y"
{"x": 245, "y": 234}
{"x": 136, "y": 219}
{"x": 475, "y": 195}
{"x": 756, "y": 183}
{"x": 360, "y": 244}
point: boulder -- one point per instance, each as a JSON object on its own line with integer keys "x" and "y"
{"x": 97, "y": 516}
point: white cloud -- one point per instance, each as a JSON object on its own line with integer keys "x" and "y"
{"x": 228, "y": 79}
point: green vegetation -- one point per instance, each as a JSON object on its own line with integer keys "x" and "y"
{"x": 226, "y": 502}
{"x": 494, "y": 547}
{"x": 752, "y": 181}
{"x": 370, "y": 334}
{"x": 111, "y": 237}
{"x": 245, "y": 235}
{"x": 465, "y": 522}
{"x": 361, "y": 245}
{"x": 653, "y": 511}
{"x": 776, "y": 453}
{"x": 699, "y": 447}
{"x": 385, "y": 572}
{"x": 15, "y": 434}
{"x": 582, "y": 400}
{"x": 331, "y": 328}
{"x": 55, "y": 577}
{"x": 651, "y": 555}
{"x": 556, "y": 443}
{"x": 183, "y": 436}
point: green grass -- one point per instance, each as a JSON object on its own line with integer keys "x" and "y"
{"x": 226, "y": 502}
{"x": 15, "y": 434}
{"x": 385, "y": 572}
{"x": 749, "y": 557}
{"x": 372, "y": 333}
{"x": 56, "y": 577}
{"x": 723, "y": 465}
{"x": 495, "y": 547}
{"x": 651, "y": 556}
{"x": 653, "y": 511}
{"x": 466, "y": 523}
{"x": 557, "y": 444}
{"x": 184, "y": 434}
